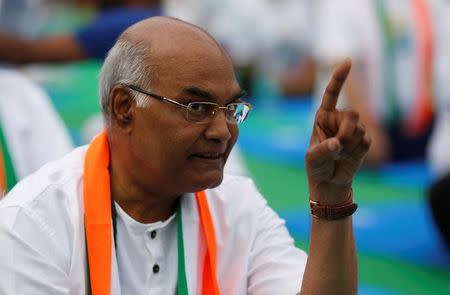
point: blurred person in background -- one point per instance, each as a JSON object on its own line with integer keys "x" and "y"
{"x": 91, "y": 41}
{"x": 300, "y": 79}
{"x": 31, "y": 132}
{"x": 287, "y": 56}
{"x": 439, "y": 147}
{"x": 268, "y": 40}
{"x": 21, "y": 17}
{"x": 391, "y": 44}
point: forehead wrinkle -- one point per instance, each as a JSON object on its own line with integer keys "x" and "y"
{"x": 192, "y": 72}
{"x": 198, "y": 92}
{"x": 168, "y": 61}
{"x": 209, "y": 96}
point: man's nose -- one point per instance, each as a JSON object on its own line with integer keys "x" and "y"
{"x": 218, "y": 128}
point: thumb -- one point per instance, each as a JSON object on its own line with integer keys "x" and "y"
{"x": 327, "y": 150}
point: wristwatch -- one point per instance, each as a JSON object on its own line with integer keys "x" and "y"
{"x": 333, "y": 212}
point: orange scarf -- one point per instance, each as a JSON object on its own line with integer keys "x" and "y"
{"x": 98, "y": 222}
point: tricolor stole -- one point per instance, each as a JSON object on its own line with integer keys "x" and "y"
{"x": 98, "y": 226}
{"x": 420, "y": 117}
{"x": 7, "y": 172}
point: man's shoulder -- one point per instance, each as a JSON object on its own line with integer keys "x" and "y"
{"x": 41, "y": 217}
{"x": 61, "y": 177}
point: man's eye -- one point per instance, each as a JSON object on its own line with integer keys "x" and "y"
{"x": 232, "y": 106}
{"x": 198, "y": 107}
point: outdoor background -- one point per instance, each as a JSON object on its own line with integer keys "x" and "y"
{"x": 398, "y": 247}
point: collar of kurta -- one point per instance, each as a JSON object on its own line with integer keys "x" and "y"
{"x": 98, "y": 226}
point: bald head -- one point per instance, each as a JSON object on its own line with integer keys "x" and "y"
{"x": 168, "y": 33}
{"x": 172, "y": 43}
{"x": 153, "y": 50}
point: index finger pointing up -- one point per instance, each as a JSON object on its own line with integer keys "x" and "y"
{"x": 334, "y": 87}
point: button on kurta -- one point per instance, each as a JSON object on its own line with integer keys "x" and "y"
{"x": 153, "y": 234}
{"x": 155, "y": 268}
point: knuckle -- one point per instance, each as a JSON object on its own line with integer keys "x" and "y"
{"x": 353, "y": 115}
{"x": 362, "y": 126}
{"x": 366, "y": 142}
{"x": 346, "y": 138}
{"x": 360, "y": 130}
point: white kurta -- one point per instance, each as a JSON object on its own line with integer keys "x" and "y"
{"x": 353, "y": 29}
{"x": 42, "y": 249}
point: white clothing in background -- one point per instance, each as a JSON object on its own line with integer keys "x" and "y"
{"x": 34, "y": 132}
{"x": 42, "y": 249}
{"x": 352, "y": 28}
{"x": 270, "y": 33}
{"x": 439, "y": 146}
{"x": 22, "y": 17}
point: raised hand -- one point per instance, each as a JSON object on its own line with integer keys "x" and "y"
{"x": 339, "y": 143}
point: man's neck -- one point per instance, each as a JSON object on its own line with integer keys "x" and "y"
{"x": 146, "y": 212}
{"x": 138, "y": 202}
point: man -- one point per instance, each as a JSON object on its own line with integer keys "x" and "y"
{"x": 91, "y": 41}
{"x": 28, "y": 121}
{"x": 31, "y": 132}
{"x": 172, "y": 104}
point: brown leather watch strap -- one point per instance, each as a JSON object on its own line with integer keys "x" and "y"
{"x": 333, "y": 212}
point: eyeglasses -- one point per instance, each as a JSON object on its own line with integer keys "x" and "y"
{"x": 203, "y": 112}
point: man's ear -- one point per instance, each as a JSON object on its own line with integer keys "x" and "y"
{"x": 121, "y": 106}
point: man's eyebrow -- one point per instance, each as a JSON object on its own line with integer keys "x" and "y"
{"x": 204, "y": 94}
{"x": 242, "y": 93}
{"x": 198, "y": 92}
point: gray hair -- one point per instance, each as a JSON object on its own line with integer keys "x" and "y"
{"x": 126, "y": 63}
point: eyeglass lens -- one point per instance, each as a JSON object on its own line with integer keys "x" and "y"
{"x": 203, "y": 112}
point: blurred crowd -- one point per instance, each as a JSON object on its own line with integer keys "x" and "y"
{"x": 400, "y": 52}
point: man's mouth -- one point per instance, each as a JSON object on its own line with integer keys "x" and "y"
{"x": 209, "y": 156}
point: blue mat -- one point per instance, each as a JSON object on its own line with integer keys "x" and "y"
{"x": 394, "y": 229}
{"x": 280, "y": 133}
{"x": 371, "y": 290}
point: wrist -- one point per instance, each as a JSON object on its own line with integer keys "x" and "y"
{"x": 332, "y": 197}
